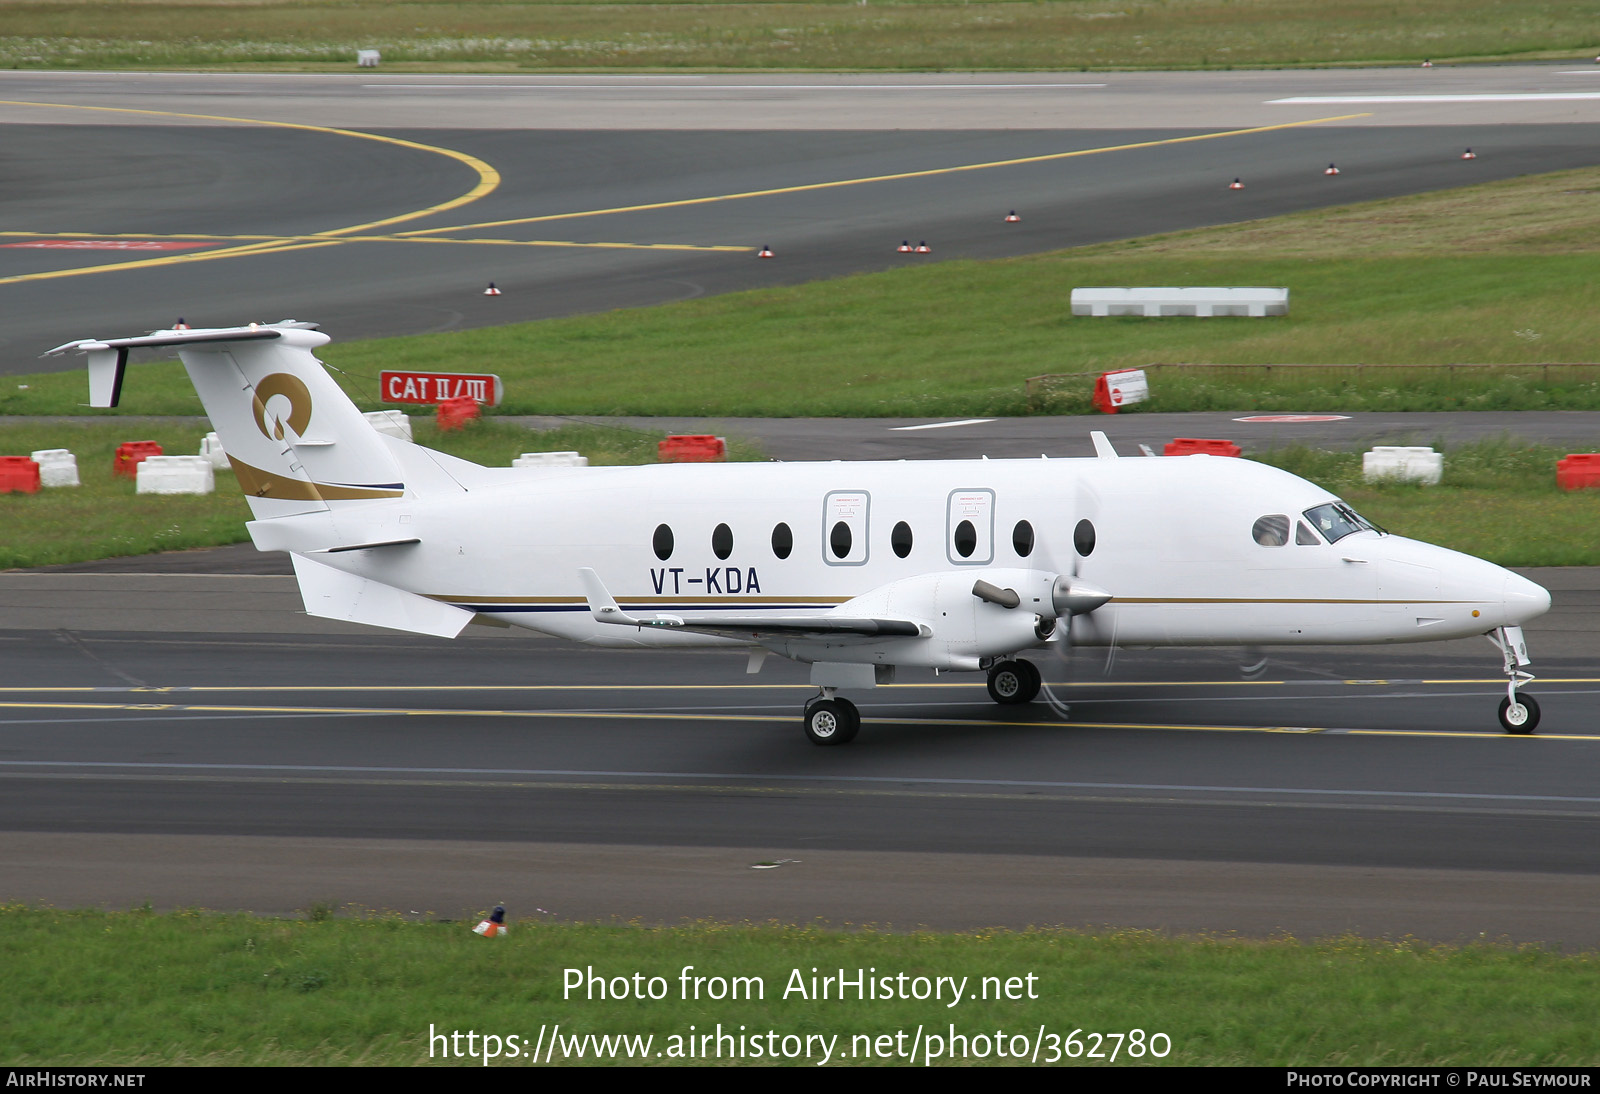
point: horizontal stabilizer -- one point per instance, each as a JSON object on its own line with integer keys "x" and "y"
{"x": 108, "y": 357}
{"x": 334, "y": 594}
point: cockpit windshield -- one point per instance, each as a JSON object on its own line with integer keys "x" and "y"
{"x": 1337, "y": 520}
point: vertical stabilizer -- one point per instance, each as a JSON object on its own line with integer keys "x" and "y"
{"x": 295, "y": 440}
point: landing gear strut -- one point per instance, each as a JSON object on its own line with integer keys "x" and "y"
{"x": 830, "y": 720}
{"x": 1014, "y": 682}
{"x": 1518, "y": 713}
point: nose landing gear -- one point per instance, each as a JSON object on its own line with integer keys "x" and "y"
{"x": 1518, "y": 713}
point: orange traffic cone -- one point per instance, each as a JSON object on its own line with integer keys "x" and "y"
{"x": 1236, "y": 185}
{"x": 491, "y": 290}
{"x": 1332, "y": 170}
{"x": 765, "y": 252}
{"x": 923, "y": 249}
{"x": 1469, "y": 154}
{"x": 905, "y": 247}
{"x": 1012, "y": 217}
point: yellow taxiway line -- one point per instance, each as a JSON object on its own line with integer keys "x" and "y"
{"x": 291, "y": 688}
{"x": 489, "y": 179}
{"x": 768, "y": 719}
{"x": 900, "y": 176}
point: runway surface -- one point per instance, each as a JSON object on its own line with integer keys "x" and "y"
{"x": 1342, "y": 790}
{"x": 384, "y": 205}
{"x": 196, "y": 740}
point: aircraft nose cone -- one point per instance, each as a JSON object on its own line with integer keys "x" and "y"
{"x": 1523, "y": 600}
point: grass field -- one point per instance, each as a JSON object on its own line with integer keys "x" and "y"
{"x": 517, "y": 35}
{"x": 1501, "y": 273}
{"x": 192, "y": 988}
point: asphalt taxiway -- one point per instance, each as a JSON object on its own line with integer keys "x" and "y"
{"x": 384, "y": 205}
{"x": 195, "y": 739}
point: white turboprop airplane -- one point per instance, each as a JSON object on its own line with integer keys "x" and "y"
{"x": 856, "y": 569}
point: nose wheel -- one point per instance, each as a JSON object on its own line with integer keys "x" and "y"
{"x": 1519, "y": 713}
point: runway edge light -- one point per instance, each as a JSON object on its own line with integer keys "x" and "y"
{"x": 491, "y": 290}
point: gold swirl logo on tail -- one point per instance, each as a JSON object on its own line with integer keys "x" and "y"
{"x": 271, "y": 417}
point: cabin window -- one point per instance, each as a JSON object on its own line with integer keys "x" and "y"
{"x": 1304, "y": 536}
{"x": 1083, "y": 538}
{"x": 722, "y": 541}
{"x": 846, "y": 531}
{"x": 839, "y": 539}
{"x": 1271, "y": 530}
{"x": 782, "y": 541}
{"x": 662, "y": 542}
{"x": 900, "y": 539}
{"x": 969, "y": 527}
{"x": 1022, "y": 538}
{"x": 1337, "y": 520}
{"x": 966, "y": 539}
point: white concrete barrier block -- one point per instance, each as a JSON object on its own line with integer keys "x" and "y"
{"x": 57, "y": 467}
{"x": 1203, "y": 303}
{"x": 211, "y": 451}
{"x": 392, "y": 422}
{"x": 1405, "y": 463}
{"x": 367, "y": 58}
{"x": 550, "y": 459}
{"x": 175, "y": 475}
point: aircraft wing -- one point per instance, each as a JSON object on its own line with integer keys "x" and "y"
{"x": 745, "y": 624}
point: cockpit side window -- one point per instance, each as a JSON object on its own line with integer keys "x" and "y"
{"x": 1336, "y": 520}
{"x": 1304, "y": 536}
{"x": 1271, "y": 530}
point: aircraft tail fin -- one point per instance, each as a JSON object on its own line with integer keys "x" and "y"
{"x": 296, "y": 441}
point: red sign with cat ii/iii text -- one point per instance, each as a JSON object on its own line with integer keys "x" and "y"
{"x": 436, "y": 387}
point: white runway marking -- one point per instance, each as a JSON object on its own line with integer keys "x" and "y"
{"x": 938, "y": 425}
{"x": 818, "y": 780}
{"x": 1510, "y": 97}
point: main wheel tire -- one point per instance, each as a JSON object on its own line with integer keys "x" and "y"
{"x": 1012, "y": 682}
{"x": 1035, "y": 681}
{"x": 832, "y": 722}
{"x": 1520, "y": 717}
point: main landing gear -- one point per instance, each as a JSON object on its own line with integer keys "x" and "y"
{"x": 830, "y": 720}
{"x": 1014, "y": 682}
{"x": 1518, "y": 713}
